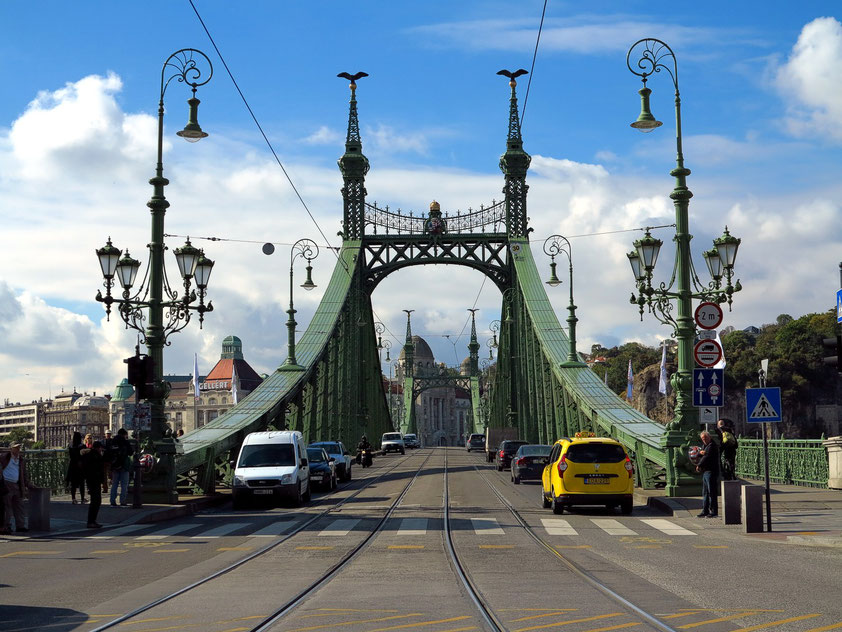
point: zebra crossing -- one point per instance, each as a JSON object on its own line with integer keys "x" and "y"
{"x": 484, "y": 526}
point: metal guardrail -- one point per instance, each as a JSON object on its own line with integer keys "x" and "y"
{"x": 791, "y": 461}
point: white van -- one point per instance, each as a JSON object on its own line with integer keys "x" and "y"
{"x": 272, "y": 464}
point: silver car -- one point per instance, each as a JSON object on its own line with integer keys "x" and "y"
{"x": 392, "y": 442}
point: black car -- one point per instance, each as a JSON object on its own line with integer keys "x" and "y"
{"x": 322, "y": 468}
{"x": 476, "y": 442}
{"x": 529, "y": 461}
{"x": 506, "y": 451}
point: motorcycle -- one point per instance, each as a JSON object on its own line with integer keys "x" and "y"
{"x": 364, "y": 457}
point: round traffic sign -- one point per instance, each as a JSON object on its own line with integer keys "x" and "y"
{"x": 708, "y": 315}
{"x": 707, "y": 353}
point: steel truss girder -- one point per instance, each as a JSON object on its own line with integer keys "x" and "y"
{"x": 425, "y": 383}
{"x": 486, "y": 252}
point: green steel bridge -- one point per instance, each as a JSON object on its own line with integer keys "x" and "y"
{"x": 335, "y": 389}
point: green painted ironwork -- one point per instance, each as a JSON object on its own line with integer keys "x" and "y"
{"x": 48, "y": 469}
{"x": 541, "y": 386}
{"x": 791, "y": 461}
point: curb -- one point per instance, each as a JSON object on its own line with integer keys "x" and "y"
{"x": 667, "y": 506}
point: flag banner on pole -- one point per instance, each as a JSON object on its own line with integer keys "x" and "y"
{"x": 196, "y": 376}
{"x": 662, "y": 384}
{"x": 605, "y": 378}
{"x": 631, "y": 382}
{"x": 235, "y": 384}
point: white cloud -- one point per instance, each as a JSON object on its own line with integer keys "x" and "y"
{"x": 324, "y": 136}
{"x": 50, "y": 274}
{"x": 579, "y": 34}
{"x": 78, "y": 130}
{"x": 810, "y": 81}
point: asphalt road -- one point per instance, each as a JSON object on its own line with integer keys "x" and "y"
{"x": 602, "y": 571}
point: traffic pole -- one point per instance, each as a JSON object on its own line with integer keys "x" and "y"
{"x": 762, "y": 381}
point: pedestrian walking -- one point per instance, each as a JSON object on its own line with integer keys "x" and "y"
{"x": 93, "y": 470}
{"x": 109, "y": 444}
{"x": 121, "y": 465}
{"x": 89, "y": 441}
{"x": 728, "y": 448}
{"x": 709, "y": 467}
{"x": 74, "y": 478}
{"x": 16, "y": 483}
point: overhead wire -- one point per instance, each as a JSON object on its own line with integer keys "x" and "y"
{"x": 266, "y": 138}
{"x": 532, "y": 68}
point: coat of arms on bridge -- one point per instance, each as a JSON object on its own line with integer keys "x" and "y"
{"x": 435, "y": 224}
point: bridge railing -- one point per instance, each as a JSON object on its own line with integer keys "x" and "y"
{"x": 791, "y": 461}
{"x": 47, "y": 468}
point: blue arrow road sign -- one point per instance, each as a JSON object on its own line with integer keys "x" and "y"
{"x": 708, "y": 387}
{"x": 763, "y": 404}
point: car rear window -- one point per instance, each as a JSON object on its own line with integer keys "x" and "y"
{"x": 316, "y": 455}
{"x": 330, "y": 448}
{"x": 512, "y": 445}
{"x": 596, "y": 453}
{"x": 391, "y": 436}
{"x": 267, "y": 455}
{"x": 535, "y": 450}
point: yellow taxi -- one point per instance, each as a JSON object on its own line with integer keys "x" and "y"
{"x": 588, "y": 470}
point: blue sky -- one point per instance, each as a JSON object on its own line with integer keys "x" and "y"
{"x": 761, "y": 90}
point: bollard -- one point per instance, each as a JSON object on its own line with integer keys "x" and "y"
{"x": 752, "y": 509}
{"x": 39, "y": 508}
{"x": 731, "y": 501}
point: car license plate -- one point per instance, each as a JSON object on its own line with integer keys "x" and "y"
{"x": 262, "y": 491}
{"x": 596, "y": 480}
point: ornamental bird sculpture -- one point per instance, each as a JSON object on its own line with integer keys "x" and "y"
{"x": 352, "y": 78}
{"x": 512, "y": 75}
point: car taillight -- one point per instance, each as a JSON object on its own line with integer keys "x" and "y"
{"x": 502, "y": 454}
{"x": 629, "y": 467}
{"x": 562, "y": 465}
{"x": 521, "y": 462}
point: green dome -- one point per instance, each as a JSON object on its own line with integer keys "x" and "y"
{"x": 123, "y": 391}
{"x": 232, "y": 348}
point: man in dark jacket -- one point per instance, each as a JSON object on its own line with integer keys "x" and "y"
{"x": 121, "y": 464}
{"x": 709, "y": 467}
{"x": 727, "y": 448}
{"x": 93, "y": 469}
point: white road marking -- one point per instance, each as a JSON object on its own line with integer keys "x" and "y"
{"x": 111, "y": 533}
{"x": 163, "y": 533}
{"x": 666, "y": 526}
{"x": 273, "y": 530}
{"x": 339, "y": 527}
{"x": 558, "y": 526}
{"x": 221, "y": 530}
{"x": 612, "y": 527}
{"x": 487, "y": 526}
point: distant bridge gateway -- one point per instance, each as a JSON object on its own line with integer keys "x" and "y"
{"x": 335, "y": 390}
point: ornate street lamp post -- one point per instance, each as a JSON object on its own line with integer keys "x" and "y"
{"x": 655, "y": 55}
{"x": 553, "y": 245}
{"x": 154, "y": 300}
{"x": 307, "y": 249}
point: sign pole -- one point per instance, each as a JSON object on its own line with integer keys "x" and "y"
{"x": 762, "y": 381}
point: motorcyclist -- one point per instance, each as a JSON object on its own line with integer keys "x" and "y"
{"x": 364, "y": 450}
{"x": 363, "y": 444}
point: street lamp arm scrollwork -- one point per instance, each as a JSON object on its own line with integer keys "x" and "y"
{"x": 309, "y": 250}
{"x": 555, "y": 245}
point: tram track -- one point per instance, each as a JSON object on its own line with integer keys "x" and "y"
{"x": 575, "y": 568}
{"x": 301, "y": 596}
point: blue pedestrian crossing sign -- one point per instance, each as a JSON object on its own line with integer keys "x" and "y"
{"x": 708, "y": 387}
{"x": 839, "y": 306}
{"x": 763, "y": 405}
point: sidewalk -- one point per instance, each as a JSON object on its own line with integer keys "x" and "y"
{"x": 800, "y": 515}
{"x": 65, "y": 517}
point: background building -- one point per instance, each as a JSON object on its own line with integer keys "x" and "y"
{"x": 29, "y": 417}
{"x": 71, "y": 412}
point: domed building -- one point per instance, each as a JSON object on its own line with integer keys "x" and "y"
{"x": 228, "y": 382}
{"x": 442, "y": 414}
{"x": 74, "y": 412}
